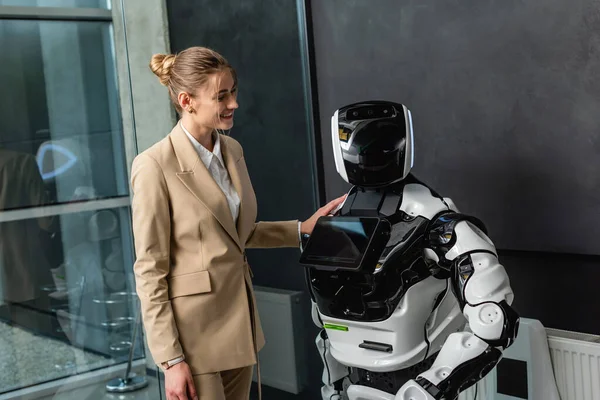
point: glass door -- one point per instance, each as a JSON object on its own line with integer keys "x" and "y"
{"x": 67, "y": 297}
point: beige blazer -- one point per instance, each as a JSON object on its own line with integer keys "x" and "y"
{"x": 191, "y": 273}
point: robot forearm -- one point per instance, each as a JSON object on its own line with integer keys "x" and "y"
{"x": 467, "y": 357}
{"x": 483, "y": 290}
{"x": 463, "y": 361}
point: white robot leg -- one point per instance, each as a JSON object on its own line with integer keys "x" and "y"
{"x": 333, "y": 371}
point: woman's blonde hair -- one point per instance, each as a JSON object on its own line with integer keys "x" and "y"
{"x": 188, "y": 70}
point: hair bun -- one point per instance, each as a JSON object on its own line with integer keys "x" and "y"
{"x": 161, "y": 65}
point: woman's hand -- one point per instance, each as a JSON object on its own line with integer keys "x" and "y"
{"x": 179, "y": 384}
{"x": 308, "y": 225}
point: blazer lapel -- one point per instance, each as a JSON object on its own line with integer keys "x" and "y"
{"x": 231, "y": 161}
{"x": 241, "y": 182}
{"x": 200, "y": 182}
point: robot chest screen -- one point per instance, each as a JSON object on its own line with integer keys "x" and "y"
{"x": 372, "y": 294}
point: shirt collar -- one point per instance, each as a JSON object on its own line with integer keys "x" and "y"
{"x": 205, "y": 155}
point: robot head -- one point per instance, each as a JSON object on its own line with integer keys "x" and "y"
{"x": 372, "y": 143}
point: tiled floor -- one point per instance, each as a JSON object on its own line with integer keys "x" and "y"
{"x": 33, "y": 359}
{"x": 98, "y": 392}
{"x": 153, "y": 391}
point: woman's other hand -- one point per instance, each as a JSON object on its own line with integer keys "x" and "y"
{"x": 307, "y": 226}
{"x": 179, "y": 384}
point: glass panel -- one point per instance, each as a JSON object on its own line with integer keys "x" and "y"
{"x": 58, "y": 3}
{"x": 59, "y": 114}
{"x": 67, "y": 301}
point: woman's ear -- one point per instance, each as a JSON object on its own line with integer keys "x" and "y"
{"x": 185, "y": 102}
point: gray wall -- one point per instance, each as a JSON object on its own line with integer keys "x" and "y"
{"x": 505, "y": 99}
{"x": 145, "y": 104}
{"x": 140, "y": 30}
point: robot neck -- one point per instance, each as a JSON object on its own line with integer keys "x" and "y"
{"x": 377, "y": 202}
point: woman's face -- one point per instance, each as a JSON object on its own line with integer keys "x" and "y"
{"x": 215, "y": 102}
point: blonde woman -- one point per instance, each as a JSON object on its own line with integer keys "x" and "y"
{"x": 194, "y": 213}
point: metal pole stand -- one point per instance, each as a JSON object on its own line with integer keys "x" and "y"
{"x": 133, "y": 382}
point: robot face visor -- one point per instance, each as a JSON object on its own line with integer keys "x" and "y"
{"x": 374, "y": 144}
{"x": 346, "y": 243}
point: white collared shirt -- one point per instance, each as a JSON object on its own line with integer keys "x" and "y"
{"x": 216, "y": 167}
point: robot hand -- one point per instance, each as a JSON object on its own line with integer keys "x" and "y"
{"x": 411, "y": 390}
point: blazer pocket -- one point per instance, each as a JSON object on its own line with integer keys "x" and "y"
{"x": 188, "y": 284}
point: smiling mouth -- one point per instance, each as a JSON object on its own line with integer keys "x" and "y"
{"x": 227, "y": 115}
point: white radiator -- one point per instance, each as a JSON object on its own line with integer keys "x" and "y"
{"x": 575, "y": 361}
{"x": 283, "y": 359}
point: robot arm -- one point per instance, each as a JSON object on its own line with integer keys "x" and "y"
{"x": 482, "y": 288}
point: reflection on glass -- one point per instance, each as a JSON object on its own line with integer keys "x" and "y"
{"x": 67, "y": 301}
{"x": 21, "y": 183}
{"x": 58, "y": 3}
{"x": 59, "y": 114}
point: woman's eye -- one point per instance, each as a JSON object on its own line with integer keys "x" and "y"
{"x": 232, "y": 92}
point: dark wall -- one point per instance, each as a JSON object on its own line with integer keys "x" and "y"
{"x": 505, "y": 99}
{"x": 261, "y": 40}
{"x": 561, "y": 290}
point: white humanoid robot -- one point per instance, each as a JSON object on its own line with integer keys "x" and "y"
{"x": 410, "y": 294}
